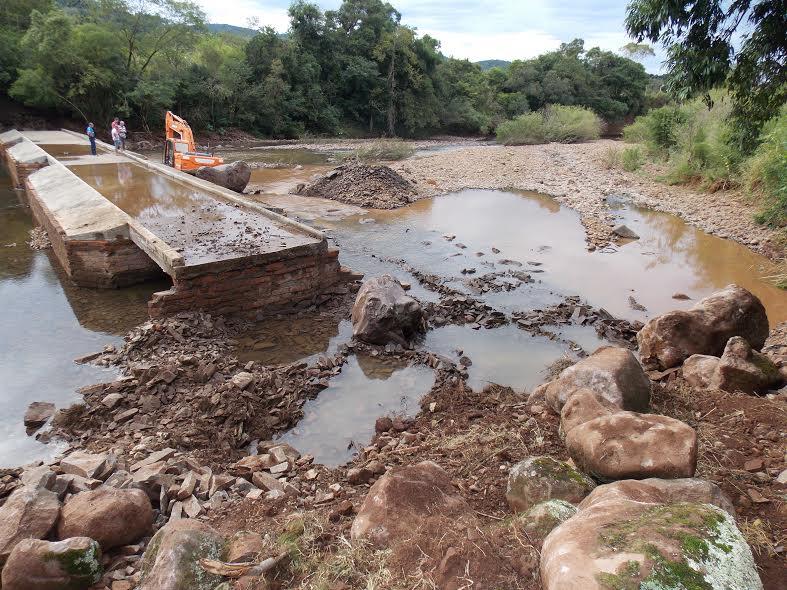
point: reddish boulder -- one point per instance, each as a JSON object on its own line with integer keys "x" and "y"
{"x": 537, "y": 479}
{"x": 111, "y": 516}
{"x": 612, "y": 373}
{"x": 28, "y": 513}
{"x": 73, "y": 564}
{"x": 667, "y": 340}
{"x": 384, "y": 313}
{"x": 628, "y": 445}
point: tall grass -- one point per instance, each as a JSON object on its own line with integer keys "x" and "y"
{"x": 766, "y": 172}
{"x": 564, "y": 124}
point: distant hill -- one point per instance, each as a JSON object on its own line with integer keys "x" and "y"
{"x": 232, "y": 30}
{"x": 488, "y": 64}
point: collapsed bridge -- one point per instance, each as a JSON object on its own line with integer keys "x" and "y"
{"x": 117, "y": 219}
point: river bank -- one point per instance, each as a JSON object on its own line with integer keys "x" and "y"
{"x": 575, "y": 175}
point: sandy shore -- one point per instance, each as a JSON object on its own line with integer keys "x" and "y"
{"x": 576, "y": 176}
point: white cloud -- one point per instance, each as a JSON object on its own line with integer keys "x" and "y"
{"x": 238, "y": 12}
{"x": 508, "y": 46}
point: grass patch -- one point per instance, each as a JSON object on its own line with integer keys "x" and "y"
{"x": 384, "y": 150}
{"x": 766, "y": 173}
{"x": 553, "y": 123}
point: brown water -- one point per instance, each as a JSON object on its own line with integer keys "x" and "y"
{"x": 63, "y": 151}
{"x": 195, "y": 223}
{"x": 46, "y": 324}
{"x": 548, "y": 241}
{"x": 341, "y": 418}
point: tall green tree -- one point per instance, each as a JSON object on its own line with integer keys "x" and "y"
{"x": 712, "y": 43}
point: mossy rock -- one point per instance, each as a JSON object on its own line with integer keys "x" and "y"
{"x": 71, "y": 564}
{"x": 171, "y": 561}
{"x": 542, "y": 518}
{"x": 537, "y": 479}
{"x": 711, "y": 551}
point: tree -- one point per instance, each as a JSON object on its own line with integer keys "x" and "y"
{"x": 637, "y": 51}
{"x": 701, "y": 37}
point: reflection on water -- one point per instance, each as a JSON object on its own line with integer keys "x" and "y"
{"x": 547, "y": 240}
{"x": 46, "y": 323}
{"x": 342, "y": 416}
{"x": 285, "y": 340}
{"x": 64, "y": 151}
{"x": 506, "y": 355}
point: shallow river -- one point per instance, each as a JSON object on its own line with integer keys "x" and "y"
{"x": 47, "y": 322}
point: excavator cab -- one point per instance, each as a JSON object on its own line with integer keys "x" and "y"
{"x": 180, "y": 150}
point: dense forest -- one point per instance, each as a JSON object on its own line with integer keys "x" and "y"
{"x": 356, "y": 70}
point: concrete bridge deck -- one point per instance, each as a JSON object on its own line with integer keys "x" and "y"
{"x": 115, "y": 219}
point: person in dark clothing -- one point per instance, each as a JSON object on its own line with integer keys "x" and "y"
{"x": 91, "y": 135}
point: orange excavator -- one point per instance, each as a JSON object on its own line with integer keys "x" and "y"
{"x": 180, "y": 151}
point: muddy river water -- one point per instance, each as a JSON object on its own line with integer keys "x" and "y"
{"x": 458, "y": 238}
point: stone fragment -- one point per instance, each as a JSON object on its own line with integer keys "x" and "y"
{"x": 187, "y": 486}
{"x": 192, "y": 507}
{"x": 628, "y": 445}
{"x": 111, "y": 516}
{"x": 155, "y": 457}
{"x": 265, "y": 481}
{"x": 171, "y": 561}
{"x": 667, "y": 340}
{"x": 612, "y": 373}
{"x": 71, "y": 564}
{"x": 242, "y": 380}
{"x": 359, "y": 475}
{"x": 84, "y": 464}
{"x": 284, "y": 452}
{"x": 248, "y": 465}
{"x": 537, "y": 479}
{"x": 38, "y": 413}
{"x": 28, "y": 513}
{"x": 39, "y": 477}
{"x": 623, "y": 231}
{"x": 244, "y": 546}
{"x": 280, "y": 468}
{"x": 649, "y": 534}
{"x": 110, "y": 400}
{"x": 384, "y": 313}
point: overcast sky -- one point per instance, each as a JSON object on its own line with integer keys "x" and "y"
{"x": 507, "y": 29}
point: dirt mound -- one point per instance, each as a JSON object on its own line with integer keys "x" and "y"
{"x": 375, "y": 187}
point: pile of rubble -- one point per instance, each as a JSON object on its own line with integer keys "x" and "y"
{"x": 375, "y": 187}
{"x": 180, "y": 378}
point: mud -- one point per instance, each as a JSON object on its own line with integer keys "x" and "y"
{"x": 376, "y": 187}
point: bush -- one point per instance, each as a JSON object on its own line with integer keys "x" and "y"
{"x": 766, "y": 172}
{"x": 611, "y": 158}
{"x": 563, "y": 124}
{"x": 631, "y": 159}
{"x": 383, "y": 150}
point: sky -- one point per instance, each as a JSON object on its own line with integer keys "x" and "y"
{"x": 507, "y": 29}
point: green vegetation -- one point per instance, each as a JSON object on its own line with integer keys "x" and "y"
{"x": 384, "y": 150}
{"x": 356, "y": 70}
{"x": 766, "y": 171}
{"x": 563, "y": 124}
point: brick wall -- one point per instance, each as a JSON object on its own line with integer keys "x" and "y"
{"x": 255, "y": 291}
{"x": 105, "y": 264}
{"x": 18, "y": 171}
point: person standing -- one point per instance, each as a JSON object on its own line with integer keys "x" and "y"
{"x": 91, "y": 135}
{"x": 116, "y": 138}
{"x": 122, "y": 133}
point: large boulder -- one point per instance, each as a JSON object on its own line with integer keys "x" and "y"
{"x": 384, "y": 313}
{"x": 628, "y": 445}
{"x": 417, "y": 514}
{"x": 740, "y": 368}
{"x": 667, "y": 340}
{"x": 612, "y": 373}
{"x": 233, "y": 176}
{"x": 404, "y": 500}
{"x": 645, "y": 534}
{"x": 582, "y": 407}
{"x": 171, "y": 561}
{"x": 111, "y": 516}
{"x": 537, "y": 479}
{"x": 28, "y": 513}
{"x": 72, "y": 564}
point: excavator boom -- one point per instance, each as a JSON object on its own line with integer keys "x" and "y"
{"x": 180, "y": 151}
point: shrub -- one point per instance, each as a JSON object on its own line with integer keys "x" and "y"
{"x": 525, "y": 129}
{"x": 382, "y": 150}
{"x": 631, "y": 159}
{"x": 766, "y": 172}
{"x": 564, "y": 124}
{"x": 610, "y": 158}
{"x": 662, "y": 127}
